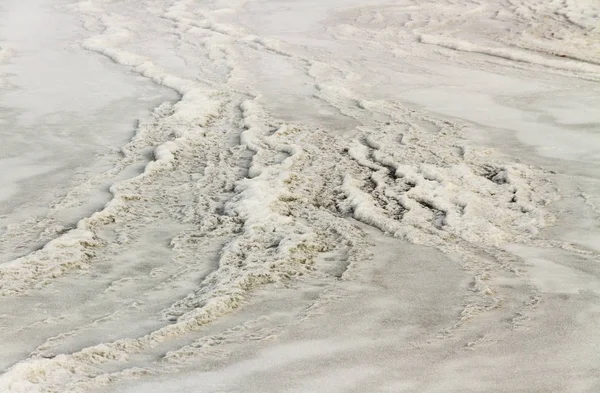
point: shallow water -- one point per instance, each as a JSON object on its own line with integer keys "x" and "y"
{"x": 65, "y": 112}
{"x": 348, "y": 197}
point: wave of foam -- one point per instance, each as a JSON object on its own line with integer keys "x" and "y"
{"x": 278, "y": 194}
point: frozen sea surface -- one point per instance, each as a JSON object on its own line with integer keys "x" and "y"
{"x": 300, "y": 196}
